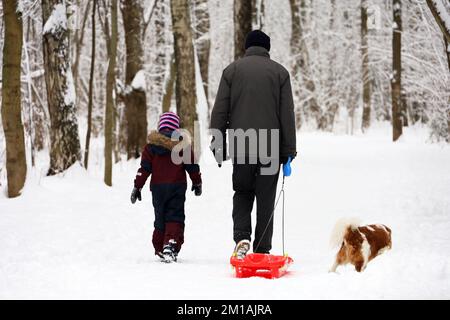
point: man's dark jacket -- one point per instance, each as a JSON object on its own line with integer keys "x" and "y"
{"x": 255, "y": 93}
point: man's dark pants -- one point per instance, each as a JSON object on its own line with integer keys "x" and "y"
{"x": 248, "y": 184}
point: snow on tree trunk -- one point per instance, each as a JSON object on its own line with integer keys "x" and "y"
{"x": 242, "y": 25}
{"x": 366, "y": 80}
{"x": 185, "y": 64}
{"x": 16, "y": 167}
{"x": 396, "y": 85}
{"x": 135, "y": 98}
{"x": 65, "y": 143}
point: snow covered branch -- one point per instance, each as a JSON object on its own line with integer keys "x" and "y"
{"x": 441, "y": 15}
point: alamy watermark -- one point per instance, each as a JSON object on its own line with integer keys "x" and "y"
{"x": 251, "y": 146}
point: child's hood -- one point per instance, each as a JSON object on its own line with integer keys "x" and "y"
{"x": 164, "y": 142}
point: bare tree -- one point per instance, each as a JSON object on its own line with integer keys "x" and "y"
{"x": 65, "y": 143}
{"x": 78, "y": 45}
{"x": 258, "y": 14}
{"x": 396, "y": 85}
{"x": 184, "y": 61}
{"x": 134, "y": 93}
{"x": 35, "y": 80}
{"x": 365, "y": 68}
{"x": 202, "y": 39}
{"x": 447, "y": 51}
{"x": 112, "y": 39}
{"x": 91, "y": 89}
{"x": 160, "y": 33}
{"x": 438, "y": 11}
{"x": 242, "y": 25}
{"x": 170, "y": 83}
{"x": 331, "y": 106}
{"x": 16, "y": 167}
{"x": 437, "y": 8}
{"x": 301, "y": 72}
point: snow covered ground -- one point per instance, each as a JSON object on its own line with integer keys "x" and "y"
{"x": 72, "y": 237}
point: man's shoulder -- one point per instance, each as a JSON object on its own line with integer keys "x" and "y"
{"x": 284, "y": 73}
{"x": 230, "y": 68}
{"x": 229, "y": 71}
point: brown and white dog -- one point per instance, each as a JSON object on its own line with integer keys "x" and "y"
{"x": 359, "y": 244}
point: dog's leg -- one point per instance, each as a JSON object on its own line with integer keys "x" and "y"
{"x": 341, "y": 258}
{"x": 359, "y": 266}
{"x": 334, "y": 267}
{"x": 364, "y": 266}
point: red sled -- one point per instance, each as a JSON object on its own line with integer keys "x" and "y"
{"x": 261, "y": 265}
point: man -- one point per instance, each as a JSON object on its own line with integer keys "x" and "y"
{"x": 254, "y": 94}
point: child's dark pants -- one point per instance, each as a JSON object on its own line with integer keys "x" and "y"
{"x": 168, "y": 202}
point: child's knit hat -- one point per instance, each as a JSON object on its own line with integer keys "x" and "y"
{"x": 169, "y": 120}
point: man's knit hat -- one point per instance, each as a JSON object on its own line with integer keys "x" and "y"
{"x": 169, "y": 121}
{"x": 257, "y": 38}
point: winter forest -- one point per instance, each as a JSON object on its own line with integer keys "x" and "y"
{"x": 83, "y": 82}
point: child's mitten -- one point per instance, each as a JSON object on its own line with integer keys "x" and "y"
{"x": 136, "y": 194}
{"x": 197, "y": 189}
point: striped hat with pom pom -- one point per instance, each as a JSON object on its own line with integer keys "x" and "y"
{"x": 169, "y": 121}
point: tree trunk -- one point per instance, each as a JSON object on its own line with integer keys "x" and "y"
{"x": 161, "y": 51}
{"x": 242, "y": 25}
{"x": 184, "y": 61}
{"x": 65, "y": 143}
{"x": 327, "y": 119}
{"x": 396, "y": 86}
{"x": 29, "y": 99}
{"x": 110, "y": 102}
{"x": 39, "y": 119}
{"x": 365, "y": 69}
{"x": 135, "y": 99}
{"x": 301, "y": 71}
{"x": 258, "y": 14}
{"x": 168, "y": 92}
{"x": 16, "y": 167}
{"x": 202, "y": 40}
{"x": 91, "y": 89}
{"x": 79, "y": 37}
{"x": 447, "y": 51}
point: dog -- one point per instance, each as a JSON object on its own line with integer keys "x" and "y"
{"x": 359, "y": 244}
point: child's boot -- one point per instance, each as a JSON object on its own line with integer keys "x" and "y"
{"x": 169, "y": 252}
{"x": 158, "y": 242}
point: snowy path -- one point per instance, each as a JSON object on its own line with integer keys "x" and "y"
{"x": 71, "y": 237}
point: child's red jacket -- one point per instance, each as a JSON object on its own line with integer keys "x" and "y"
{"x": 156, "y": 160}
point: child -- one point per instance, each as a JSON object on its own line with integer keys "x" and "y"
{"x": 168, "y": 186}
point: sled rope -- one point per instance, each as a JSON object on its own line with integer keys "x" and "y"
{"x": 271, "y": 217}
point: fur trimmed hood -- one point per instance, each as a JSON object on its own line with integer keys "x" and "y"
{"x": 158, "y": 139}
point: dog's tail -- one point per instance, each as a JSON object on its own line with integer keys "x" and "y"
{"x": 341, "y": 226}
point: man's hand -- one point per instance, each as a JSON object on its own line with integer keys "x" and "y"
{"x": 197, "y": 188}
{"x": 284, "y": 159}
{"x": 219, "y": 150}
{"x": 136, "y": 194}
